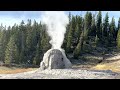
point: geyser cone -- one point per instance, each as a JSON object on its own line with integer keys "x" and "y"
{"x": 55, "y": 59}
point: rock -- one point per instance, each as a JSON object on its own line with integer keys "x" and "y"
{"x": 55, "y": 59}
{"x": 42, "y": 65}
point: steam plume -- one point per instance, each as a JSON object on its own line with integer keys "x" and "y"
{"x": 56, "y": 22}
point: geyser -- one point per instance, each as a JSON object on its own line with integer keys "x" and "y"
{"x": 55, "y": 58}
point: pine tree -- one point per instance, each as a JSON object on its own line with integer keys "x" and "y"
{"x": 78, "y": 49}
{"x": 37, "y": 45}
{"x": 29, "y": 35}
{"x": 22, "y": 57}
{"x": 67, "y": 31}
{"x": 87, "y": 29}
{"x": 45, "y": 45}
{"x": 31, "y": 41}
{"x": 119, "y": 23}
{"x": 69, "y": 17}
{"x": 87, "y": 26}
{"x": 1, "y": 46}
{"x": 93, "y": 27}
{"x": 11, "y": 53}
{"x": 106, "y": 24}
{"x": 96, "y": 41}
{"x": 118, "y": 39}
{"x": 73, "y": 31}
{"x": 112, "y": 36}
{"x": 118, "y": 27}
{"x": 78, "y": 30}
{"x": 106, "y": 30}
{"x": 98, "y": 25}
{"x": 69, "y": 39}
{"x": 22, "y": 41}
{"x": 77, "y": 34}
{"x": 37, "y": 58}
{"x": 73, "y": 22}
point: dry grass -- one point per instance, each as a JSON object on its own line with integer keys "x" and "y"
{"x": 110, "y": 63}
{"x": 114, "y": 66}
{"x": 13, "y": 70}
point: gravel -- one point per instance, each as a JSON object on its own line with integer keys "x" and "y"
{"x": 62, "y": 74}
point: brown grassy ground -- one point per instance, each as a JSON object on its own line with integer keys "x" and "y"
{"x": 13, "y": 70}
{"x": 111, "y": 62}
{"x": 114, "y": 66}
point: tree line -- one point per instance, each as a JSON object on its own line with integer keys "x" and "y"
{"x": 27, "y": 43}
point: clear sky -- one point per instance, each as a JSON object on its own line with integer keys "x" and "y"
{"x": 11, "y": 17}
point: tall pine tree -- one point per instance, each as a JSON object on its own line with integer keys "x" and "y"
{"x": 98, "y": 25}
{"x": 112, "y": 36}
{"x": 78, "y": 49}
{"x": 69, "y": 39}
{"x": 93, "y": 27}
{"x": 118, "y": 39}
{"x": 11, "y": 53}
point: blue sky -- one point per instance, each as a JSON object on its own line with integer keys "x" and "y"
{"x": 11, "y": 17}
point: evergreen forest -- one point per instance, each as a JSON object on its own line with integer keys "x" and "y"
{"x": 27, "y": 43}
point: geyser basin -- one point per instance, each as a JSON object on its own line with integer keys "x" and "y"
{"x": 55, "y": 59}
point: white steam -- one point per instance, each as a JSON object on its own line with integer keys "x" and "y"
{"x": 56, "y": 22}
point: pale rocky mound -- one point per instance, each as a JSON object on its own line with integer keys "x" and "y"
{"x": 55, "y": 59}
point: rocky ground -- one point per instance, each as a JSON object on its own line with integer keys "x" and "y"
{"x": 63, "y": 74}
{"x": 79, "y": 71}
